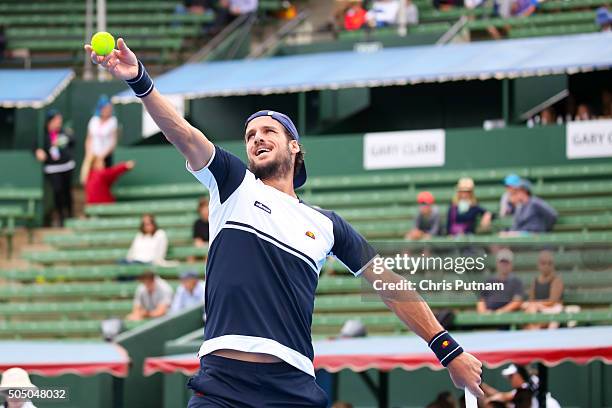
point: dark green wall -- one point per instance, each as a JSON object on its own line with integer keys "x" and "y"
{"x": 343, "y": 154}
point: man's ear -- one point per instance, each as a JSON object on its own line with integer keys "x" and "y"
{"x": 294, "y": 146}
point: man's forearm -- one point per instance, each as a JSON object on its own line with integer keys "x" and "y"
{"x": 408, "y": 305}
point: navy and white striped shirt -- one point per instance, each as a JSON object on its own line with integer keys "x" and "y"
{"x": 266, "y": 252}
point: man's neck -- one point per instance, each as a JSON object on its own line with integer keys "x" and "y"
{"x": 281, "y": 184}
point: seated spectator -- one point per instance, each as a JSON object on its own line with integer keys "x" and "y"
{"x": 511, "y": 297}
{"x": 98, "y": 179}
{"x": 189, "y": 293}
{"x": 150, "y": 244}
{"x": 524, "y": 8}
{"x": 532, "y": 214}
{"x": 427, "y": 222}
{"x": 152, "y": 298}
{"x": 383, "y": 13}
{"x": 464, "y": 211}
{"x": 505, "y": 206}
{"x": 101, "y": 139}
{"x": 603, "y": 18}
{"x": 229, "y": 10}
{"x": 342, "y": 404}
{"x": 445, "y": 5}
{"x": 354, "y": 16}
{"x": 583, "y": 112}
{"x": 200, "y": 226}
{"x": 16, "y": 378}
{"x": 196, "y": 6}
{"x": 411, "y": 13}
{"x": 546, "y": 291}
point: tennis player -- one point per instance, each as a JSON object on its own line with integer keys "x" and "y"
{"x": 267, "y": 248}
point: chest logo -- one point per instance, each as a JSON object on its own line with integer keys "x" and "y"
{"x": 262, "y": 206}
{"x": 310, "y": 234}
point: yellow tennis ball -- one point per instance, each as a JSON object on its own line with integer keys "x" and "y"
{"x": 102, "y": 43}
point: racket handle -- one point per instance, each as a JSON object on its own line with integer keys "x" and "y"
{"x": 470, "y": 399}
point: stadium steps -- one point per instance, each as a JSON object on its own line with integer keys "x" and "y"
{"x": 88, "y": 308}
{"x": 132, "y": 19}
{"x": 103, "y": 255}
{"x": 92, "y": 272}
{"x": 56, "y": 329}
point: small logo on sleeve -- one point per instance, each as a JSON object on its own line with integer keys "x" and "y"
{"x": 310, "y": 234}
{"x": 262, "y": 206}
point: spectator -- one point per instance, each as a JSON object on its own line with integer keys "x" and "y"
{"x": 524, "y": 392}
{"x": 102, "y": 132}
{"x": 603, "y": 18}
{"x": 196, "y": 6}
{"x": 427, "y": 222}
{"x": 524, "y": 8}
{"x": 445, "y": 5}
{"x": 548, "y": 117}
{"x": 411, "y": 12}
{"x": 152, "y": 298}
{"x": 464, "y": 211}
{"x": 55, "y": 152}
{"x": 200, "y": 226}
{"x": 505, "y": 206}
{"x": 98, "y": 179}
{"x": 229, "y": 10}
{"x": 523, "y": 389}
{"x": 383, "y": 13}
{"x": 583, "y": 112}
{"x": 189, "y": 293}
{"x": 532, "y": 214}
{"x": 354, "y": 16}
{"x": 546, "y": 291}
{"x": 16, "y": 379}
{"x": 443, "y": 400}
{"x": 150, "y": 244}
{"x": 352, "y": 328}
{"x": 2, "y": 42}
{"x": 510, "y": 298}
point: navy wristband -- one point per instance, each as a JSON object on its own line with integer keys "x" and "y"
{"x": 445, "y": 347}
{"x": 141, "y": 84}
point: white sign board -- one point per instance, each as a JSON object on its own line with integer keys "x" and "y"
{"x": 393, "y": 150}
{"x": 149, "y": 128}
{"x": 588, "y": 139}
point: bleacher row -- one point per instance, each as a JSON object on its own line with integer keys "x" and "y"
{"x": 53, "y": 31}
{"x": 554, "y": 17}
{"x": 67, "y": 291}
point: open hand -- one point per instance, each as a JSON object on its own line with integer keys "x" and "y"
{"x": 120, "y": 63}
{"x": 465, "y": 371}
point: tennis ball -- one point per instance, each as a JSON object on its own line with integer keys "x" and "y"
{"x": 102, "y": 43}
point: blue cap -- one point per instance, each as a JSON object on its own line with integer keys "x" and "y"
{"x": 512, "y": 180}
{"x": 300, "y": 178}
{"x": 103, "y": 100}
{"x": 603, "y": 16}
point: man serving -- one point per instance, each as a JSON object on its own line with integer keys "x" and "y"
{"x": 267, "y": 248}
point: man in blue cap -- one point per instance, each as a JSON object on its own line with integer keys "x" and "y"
{"x": 267, "y": 248}
{"x": 506, "y": 208}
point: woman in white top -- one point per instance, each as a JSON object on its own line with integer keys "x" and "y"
{"x": 102, "y": 132}
{"x": 149, "y": 245}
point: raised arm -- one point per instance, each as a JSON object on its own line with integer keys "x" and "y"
{"x": 123, "y": 64}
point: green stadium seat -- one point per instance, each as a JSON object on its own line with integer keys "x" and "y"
{"x": 142, "y": 207}
{"x": 130, "y": 222}
{"x": 538, "y": 20}
{"x": 107, "y": 308}
{"x": 103, "y": 255}
{"x": 517, "y": 318}
{"x": 111, "y": 238}
{"x": 554, "y": 30}
{"x": 554, "y": 5}
{"x": 91, "y": 272}
{"x": 56, "y": 329}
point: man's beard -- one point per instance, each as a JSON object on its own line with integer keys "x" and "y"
{"x": 272, "y": 170}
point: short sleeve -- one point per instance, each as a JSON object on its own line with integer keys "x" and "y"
{"x": 350, "y": 247}
{"x": 138, "y": 296}
{"x": 113, "y": 124}
{"x": 223, "y": 173}
{"x": 92, "y": 124}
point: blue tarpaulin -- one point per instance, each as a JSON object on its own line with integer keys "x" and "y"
{"x": 20, "y": 88}
{"x": 392, "y": 66}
